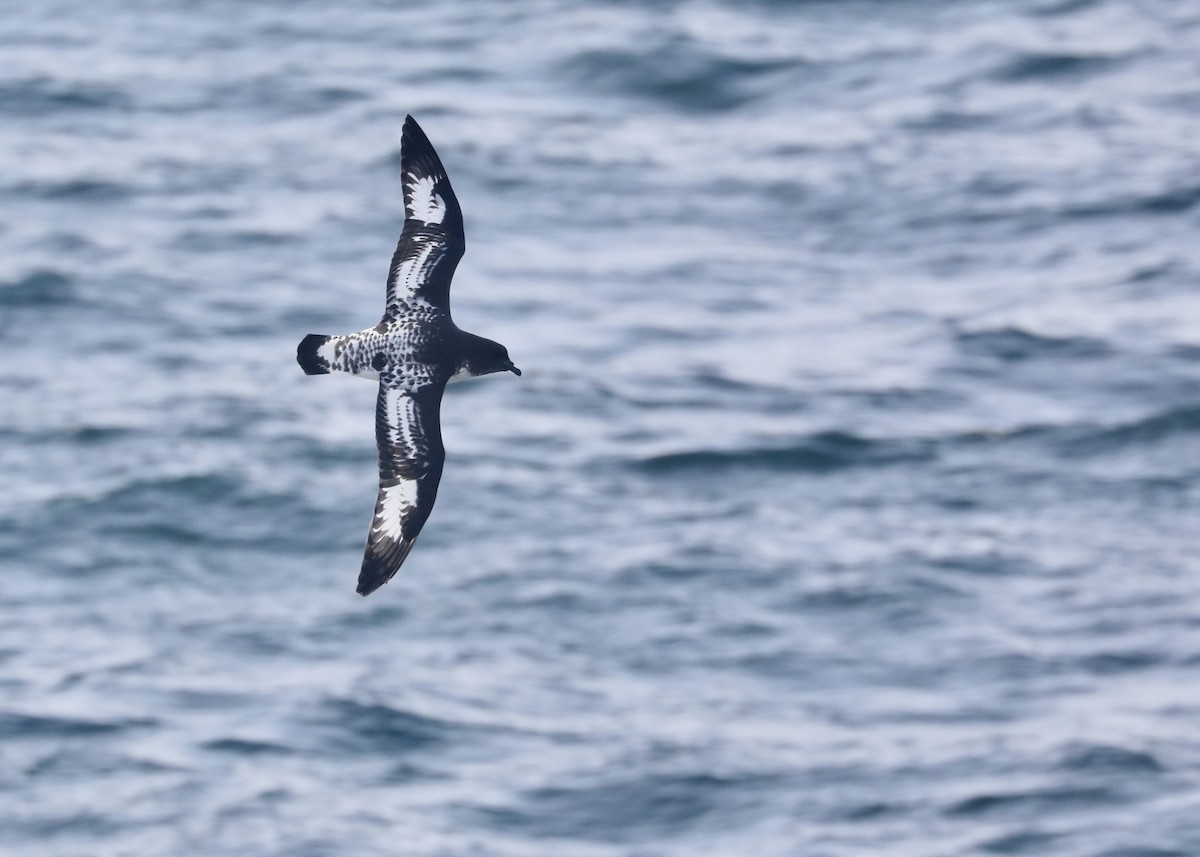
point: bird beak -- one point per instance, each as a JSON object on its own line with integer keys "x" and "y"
{"x": 514, "y": 370}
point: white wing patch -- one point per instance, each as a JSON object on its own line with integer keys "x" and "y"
{"x": 404, "y": 421}
{"x": 427, "y": 205}
{"x": 395, "y": 502}
{"x": 411, "y": 273}
{"x": 402, "y": 435}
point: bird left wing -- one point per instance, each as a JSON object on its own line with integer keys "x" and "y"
{"x": 408, "y": 432}
{"x": 432, "y": 241}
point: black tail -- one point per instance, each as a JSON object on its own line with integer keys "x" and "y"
{"x": 306, "y": 355}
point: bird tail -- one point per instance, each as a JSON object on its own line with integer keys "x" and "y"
{"x": 309, "y": 357}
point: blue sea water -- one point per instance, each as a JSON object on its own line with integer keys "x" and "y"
{"x": 848, "y": 504}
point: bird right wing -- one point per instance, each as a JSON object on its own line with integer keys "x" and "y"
{"x": 408, "y": 432}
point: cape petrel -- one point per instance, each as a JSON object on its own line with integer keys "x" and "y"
{"x": 414, "y": 352}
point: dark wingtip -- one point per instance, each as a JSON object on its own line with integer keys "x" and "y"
{"x": 380, "y": 567}
{"x": 367, "y": 585}
{"x": 373, "y": 575}
{"x": 413, "y": 132}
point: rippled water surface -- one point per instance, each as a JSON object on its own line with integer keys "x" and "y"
{"x": 847, "y": 506}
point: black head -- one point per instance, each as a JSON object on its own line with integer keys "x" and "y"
{"x": 485, "y": 357}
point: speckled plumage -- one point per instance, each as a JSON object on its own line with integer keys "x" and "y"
{"x": 413, "y": 352}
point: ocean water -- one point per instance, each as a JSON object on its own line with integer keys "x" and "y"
{"x": 849, "y": 503}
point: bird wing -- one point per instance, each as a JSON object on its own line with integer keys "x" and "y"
{"x": 408, "y": 431}
{"x": 432, "y": 241}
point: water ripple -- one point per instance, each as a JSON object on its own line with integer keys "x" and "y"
{"x": 819, "y": 453}
{"x": 847, "y": 504}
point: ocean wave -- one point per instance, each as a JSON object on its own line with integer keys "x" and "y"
{"x": 225, "y": 240}
{"x": 1034, "y": 801}
{"x": 41, "y": 96}
{"x": 834, "y": 450}
{"x": 30, "y": 726}
{"x": 1012, "y": 344}
{"x": 1032, "y": 842}
{"x": 681, "y": 74}
{"x": 187, "y": 511}
{"x": 653, "y": 805}
{"x": 97, "y": 760}
{"x": 44, "y": 287}
{"x": 272, "y": 94}
{"x": 1103, "y": 758}
{"x": 1050, "y": 65}
{"x": 79, "y": 189}
{"x": 818, "y": 530}
{"x": 1058, "y": 8}
{"x": 821, "y": 452}
{"x": 1176, "y": 199}
{"x": 377, "y": 728}
{"x": 1183, "y": 421}
{"x": 246, "y": 747}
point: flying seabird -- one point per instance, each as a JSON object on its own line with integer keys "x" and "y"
{"x": 414, "y": 352}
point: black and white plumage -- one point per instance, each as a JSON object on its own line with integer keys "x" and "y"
{"x": 414, "y": 352}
